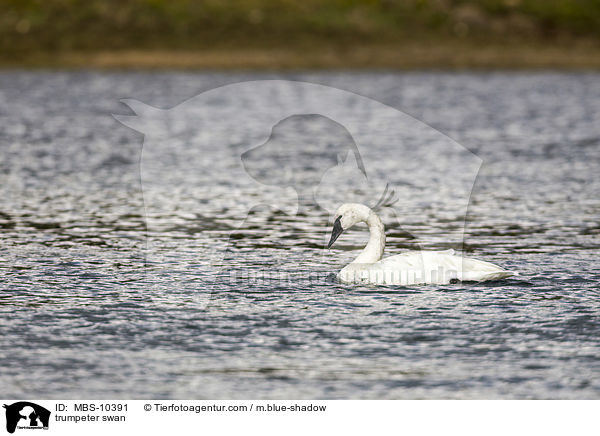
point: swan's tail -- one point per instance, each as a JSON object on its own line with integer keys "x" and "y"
{"x": 479, "y": 271}
{"x": 497, "y": 275}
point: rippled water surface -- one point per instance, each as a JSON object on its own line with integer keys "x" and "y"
{"x": 85, "y": 313}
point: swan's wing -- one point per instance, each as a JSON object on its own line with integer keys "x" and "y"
{"x": 423, "y": 259}
{"x": 409, "y": 258}
{"x": 444, "y": 266}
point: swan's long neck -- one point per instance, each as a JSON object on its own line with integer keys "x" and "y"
{"x": 374, "y": 249}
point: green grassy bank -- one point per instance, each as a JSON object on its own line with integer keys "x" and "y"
{"x": 300, "y": 34}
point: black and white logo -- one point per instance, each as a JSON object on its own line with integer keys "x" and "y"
{"x": 26, "y": 415}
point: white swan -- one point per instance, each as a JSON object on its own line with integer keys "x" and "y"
{"x": 413, "y": 267}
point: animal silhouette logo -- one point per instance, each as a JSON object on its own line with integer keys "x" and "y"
{"x": 285, "y": 151}
{"x": 26, "y": 415}
{"x": 298, "y": 152}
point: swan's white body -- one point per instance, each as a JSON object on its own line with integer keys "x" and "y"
{"x": 410, "y": 268}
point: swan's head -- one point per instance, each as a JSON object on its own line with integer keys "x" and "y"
{"x": 347, "y": 216}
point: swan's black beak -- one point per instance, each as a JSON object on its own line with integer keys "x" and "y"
{"x": 336, "y": 232}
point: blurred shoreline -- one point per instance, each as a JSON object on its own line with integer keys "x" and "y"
{"x": 311, "y": 34}
{"x": 430, "y": 55}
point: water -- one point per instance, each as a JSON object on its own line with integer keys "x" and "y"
{"x": 80, "y": 317}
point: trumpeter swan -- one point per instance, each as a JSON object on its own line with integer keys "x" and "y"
{"x": 413, "y": 267}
